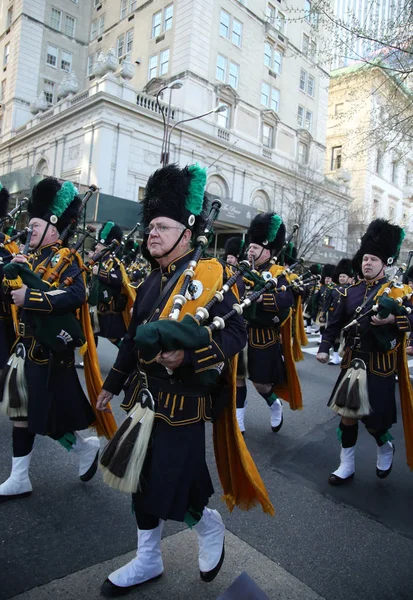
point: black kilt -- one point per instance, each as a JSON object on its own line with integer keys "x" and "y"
{"x": 111, "y": 325}
{"x": 56, "y": 401}
{"x": 175, "y": 475}
{"x": 382, "y": 397}
{"x": 7, "y": 338}
{"x": 266, "y": 363}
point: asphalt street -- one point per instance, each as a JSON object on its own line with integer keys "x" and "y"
{"x": 334, "y": 543}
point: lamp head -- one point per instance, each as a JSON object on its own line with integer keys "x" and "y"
{"x": 221, "y": 108}
{"x": 176, "y": 85}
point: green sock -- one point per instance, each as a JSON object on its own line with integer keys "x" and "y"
{"x": 67, "y": 440}
{"x": 192, "y": 517}
{"x": 270, "y": 398}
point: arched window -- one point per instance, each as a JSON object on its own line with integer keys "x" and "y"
{"x": 42, "y": 168}
{"x": 217, "y": 186}
{"x": 261, "y": 201}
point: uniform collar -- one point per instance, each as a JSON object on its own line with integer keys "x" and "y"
{"x": 373, "y": 282}
{"x": 265, "y": 266}
{"x": 175, "y": 264}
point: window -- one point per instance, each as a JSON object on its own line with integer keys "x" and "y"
{"x": 313, "y": 48}
{"x": 304, "y": 118}
{"x": 90, "y": 64}
{"x": 56, "y": 19}
{"x": 308, "y": 120}
{"x": 303, "y": 80}
{"x": 267, "y": 54}
{"x": 307, "y": 10}
{"x": 409, "y": 169}
{"x": 379, "y": 162}
{"x": 123, "y": 8}
{"x": 129, "y": 41}
{"x": 93, "y": 29}
{"x": 267, "y": 136}
{"x": 70, "y": 25}
{"x": 132, "y": 6}
{"x": 394, "y": 171}
{"x": 164, "y": 66}
{"x": 271, "y": 11}
{"x": 281, "y": 22}
{"x": 336, "y": 158}
{"x": 224, "y": 24}
{"x": 153, "y": 66}
{"x": 3, "y": 90}
{"x": 265, "y": 94}
{"x": 305, "y": 45}
{"x": 96, "y": 2}
{"x": 168, "y": 17}
{"x": 275, "y": 99}
{"x": 51, "y": 57}
{"x": 310, "y": 86}
{"x": 221, "y": 71}
{"x": 101, "y": 24}
{"x": 224, "y": 117}
{"x": 66, "y": 61}
{"x": 236, "y": 32}
{"x": 156, "y": 24}
{"x": 302, "y": 153}
{"x": 9, "y": 16}
{"x": 233, "y": 75}
{"x": 277, "y": 61}
{"x": 339, "y": 109}
{"x": 327, "y": 240}
{"x": 48, "y": 89}
{"x": 119, "y": 45}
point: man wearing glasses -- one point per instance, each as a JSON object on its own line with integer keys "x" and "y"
{"x": 175, "y": 482}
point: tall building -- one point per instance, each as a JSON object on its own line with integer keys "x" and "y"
{"x": 362, "y": 151}
{"x": 81, "y": 80}
{"x": 361, "y": 23}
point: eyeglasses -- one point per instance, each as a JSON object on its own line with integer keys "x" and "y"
{"x": 160, "y": 228}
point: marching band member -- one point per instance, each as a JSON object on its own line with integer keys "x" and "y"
{"x": 7, "y": 334}
{"x": 271, "y": 366}
{"x": 41, "y": 390}
{"x": 374, "y": 352}
{"x": 115, "y": 296}
{"x": 175, "y": 482}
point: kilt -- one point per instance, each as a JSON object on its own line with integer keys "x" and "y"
{"x": 7, "y": 338}
{"x": 56, "y": 401}
{"x": 175, "y": 475}
{"x": 265, "y": 359}
{"x": 111, "y": 325}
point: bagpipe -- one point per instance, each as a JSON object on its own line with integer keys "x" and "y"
{"x": 14, "y": 214}
{"x": 56, "y": 332}
{"x": 388, "y": 300}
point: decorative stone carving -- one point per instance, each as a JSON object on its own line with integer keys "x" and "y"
{"x": 72, "y": 84}
{"x": 33, "y": 107}
{"x": 110, "y": 62}
{"x": 127, "y": 68}
{"x": 98, "y": 66}
{"x": 41, "y": 102}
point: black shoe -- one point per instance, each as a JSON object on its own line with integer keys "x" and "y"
{"x": 91, "y": 472}
{"x": 278, "y": 427}
{"x": 337, "y": 481}
{"x": 210, "y": 575}
{"x": 110, "y": 590}
{"x": 383, "y": 473}
{"x": 15, "y": 496}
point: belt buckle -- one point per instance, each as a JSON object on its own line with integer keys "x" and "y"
{"x": 144, "y": 378}
{"x": 21, "y": 329}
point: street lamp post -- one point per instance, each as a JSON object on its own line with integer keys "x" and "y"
{"x": 218, "y": 109}
{"x": 175, "y": 85}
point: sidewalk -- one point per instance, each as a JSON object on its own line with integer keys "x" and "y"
{"x": 181, "y": 578}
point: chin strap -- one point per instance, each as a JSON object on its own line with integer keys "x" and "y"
{"x": 174, "y": 246}
{"x": 39, "y": 245}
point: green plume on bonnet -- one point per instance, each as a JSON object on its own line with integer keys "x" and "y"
{"x": 63, "y": 198}
{"x": 275, "y": 224}
{"x": 196, "y": 189}
{"x": 402, "y": 236}
{"x": 1, "y": 186}
{"x": 106, "y": 230}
